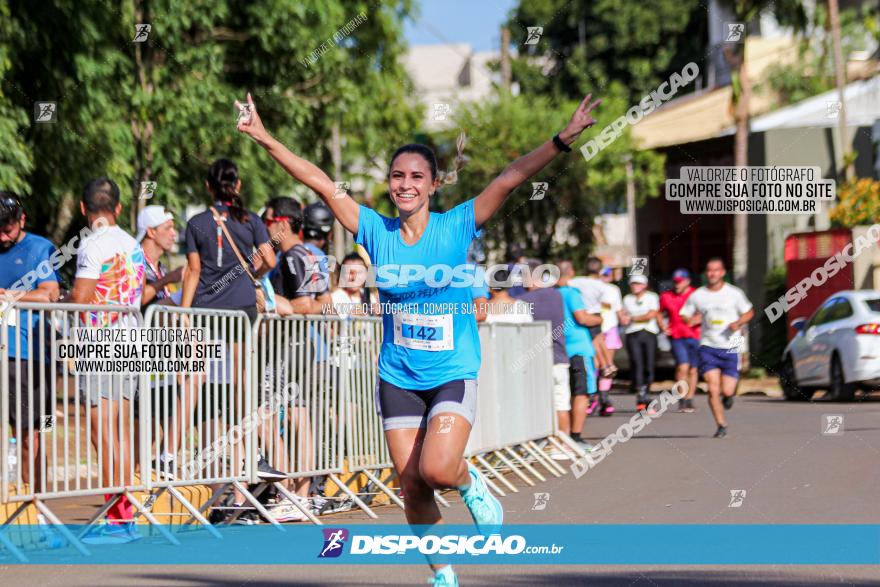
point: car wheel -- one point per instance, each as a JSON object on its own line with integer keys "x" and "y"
{"x": 789, "y": 384}
{"x": 838, "y": 388}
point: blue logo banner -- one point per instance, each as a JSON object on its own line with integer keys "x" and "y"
{"x": 718, "y": 544}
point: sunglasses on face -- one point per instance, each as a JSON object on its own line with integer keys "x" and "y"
{"x": 274, "y": 219}
{"x": 10, "y": 203}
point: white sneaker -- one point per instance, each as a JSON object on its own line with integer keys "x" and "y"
{"x": 558, "y": 455}
{"x": 285, "y": 511}
{"x": 320, "y": 504}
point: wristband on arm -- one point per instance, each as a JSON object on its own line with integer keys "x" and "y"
{"x": 560, "y": 144}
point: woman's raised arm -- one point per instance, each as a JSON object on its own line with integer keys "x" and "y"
{"x": 491, "y": 198}
{"x": 341, "y": 204}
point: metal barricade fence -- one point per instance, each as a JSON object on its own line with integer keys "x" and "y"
{"x": 514, "y": 409}
{"x": 196, "y": 427}
{"x": 515, "y": 403}
{"x": 366, "y": 448}
{"x": 89, "y": 448}
{"x": 304, "y": 365}
{"x": 515, "y": 392}
{"x": 297, "y": 391}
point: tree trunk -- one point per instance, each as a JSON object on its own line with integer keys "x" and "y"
{"x": 631, "y": 205}
{"x": 736, "y": 58}
{"x": 740, "y": 74}
{"x": 505, "y": 58}
{"x": 60, "y": 224}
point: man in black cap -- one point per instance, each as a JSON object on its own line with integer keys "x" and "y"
{"x": 300, "y": 279}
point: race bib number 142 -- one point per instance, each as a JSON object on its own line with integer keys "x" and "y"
{"x": 424, "y": 333}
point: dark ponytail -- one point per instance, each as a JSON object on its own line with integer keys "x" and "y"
{"x": 222, "y": 179}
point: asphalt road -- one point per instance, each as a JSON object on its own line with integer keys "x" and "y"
{"x": 673, "y": 472}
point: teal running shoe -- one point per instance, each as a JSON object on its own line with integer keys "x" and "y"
{"x": 445, "y": 577}
{"x": 485, "y": 509}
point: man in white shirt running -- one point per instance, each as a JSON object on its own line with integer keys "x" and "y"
{"x": 721, "y": 310}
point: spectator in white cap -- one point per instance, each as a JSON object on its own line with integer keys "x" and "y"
{"x": 157, "y": 236}
{"x": 640, "y": 316}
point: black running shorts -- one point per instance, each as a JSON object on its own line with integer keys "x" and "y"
{"x": 406, "y": 409}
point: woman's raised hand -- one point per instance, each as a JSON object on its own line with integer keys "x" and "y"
{"x": 580, "y": 120}
{"x": 249, "y": 121}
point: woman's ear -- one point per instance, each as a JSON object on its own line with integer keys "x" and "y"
{"x": 237, "y": 186}
{"x": 208, "y": 187}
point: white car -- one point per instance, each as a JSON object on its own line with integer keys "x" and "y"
{"x": 837, "y": 349}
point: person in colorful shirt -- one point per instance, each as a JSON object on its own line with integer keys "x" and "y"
{"x": 110, "y": 271}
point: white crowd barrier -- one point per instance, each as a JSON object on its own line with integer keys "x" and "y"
{"x": 197, "y": 418}
{"x": 82, "y": 423}
{"x": 192, "y": 416}
{"x": 366, "y": 448}
{"x": 310, "y": 362}
{"x": 297, "y": 393}
{"x": 515, "y": 404}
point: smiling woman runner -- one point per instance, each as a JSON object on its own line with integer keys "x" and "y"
{"x": 428, "y": 363}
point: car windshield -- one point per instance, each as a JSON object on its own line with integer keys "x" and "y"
{"x": 873, "y": 305}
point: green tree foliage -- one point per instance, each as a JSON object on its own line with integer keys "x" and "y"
{"x": 16, "y": 160}
{"x": 561, "y": 223}
{"x": 619, "y": 51}
{"x": 592, "y": 45}
{"x": 813, "y": 71}
{"x": 162, "y": 110}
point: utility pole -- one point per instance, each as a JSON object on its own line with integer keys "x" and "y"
{"x": 505, "y": 58}
{"x": 840, "y": 79}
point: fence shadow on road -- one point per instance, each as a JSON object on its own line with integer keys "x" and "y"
{"x": 516, "y": 575}
{"x": 681, "y": 577}
{"x": 667, "y": 436}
